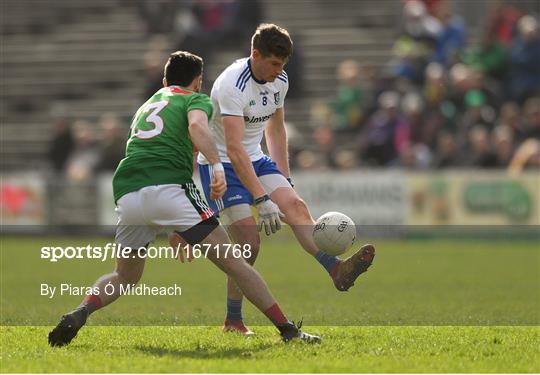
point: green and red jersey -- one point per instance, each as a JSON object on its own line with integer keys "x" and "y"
{"x": 159, "y": 150}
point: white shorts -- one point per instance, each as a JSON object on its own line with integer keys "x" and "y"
{"x": 144, "y": 213}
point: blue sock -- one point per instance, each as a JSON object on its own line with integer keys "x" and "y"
{"x": 234, "y": 309}
{"x": 327, "y": 261}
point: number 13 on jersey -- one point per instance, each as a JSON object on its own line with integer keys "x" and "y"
{"x": 153, "y": 118}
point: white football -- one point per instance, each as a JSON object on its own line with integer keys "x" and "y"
{"x": 334, "y": 233}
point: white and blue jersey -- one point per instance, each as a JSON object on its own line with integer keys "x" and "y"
{"x": 236, "y": 92}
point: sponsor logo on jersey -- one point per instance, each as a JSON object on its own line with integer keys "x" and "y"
{"x": 254, "y": 119}
{"x": 251, "y": 103}
{"x": 234, "y": 198}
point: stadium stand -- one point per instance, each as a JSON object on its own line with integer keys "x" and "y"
{"x": 86, "y": 58}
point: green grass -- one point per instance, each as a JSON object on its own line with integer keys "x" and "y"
{"x": 433, "y": 305}
{"x": 206, "y": 349}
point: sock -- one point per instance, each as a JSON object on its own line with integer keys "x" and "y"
{"x": 234, "y": 309}
{"x": 92, "y": 303}
{"x": 275, "y": 314}
{"x": 327, "y": 261}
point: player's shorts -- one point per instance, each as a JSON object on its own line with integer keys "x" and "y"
{"x": 265, "y": 168}
{"x": 144, "y": 213}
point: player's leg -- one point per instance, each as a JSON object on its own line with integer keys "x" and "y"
{"x": 127, "y": 271}
{"x": 236, "y": 215}
{"x": 242, "y": 229}
{"x": 297, "y": 215}
{"x": 245, "y": 277}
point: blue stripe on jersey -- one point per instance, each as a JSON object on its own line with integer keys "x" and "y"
{"x": 244, "y": 82}
{"x": 281, "y": 79}
{"x": 241, "y": 77}
{"x": 284, "y": 74}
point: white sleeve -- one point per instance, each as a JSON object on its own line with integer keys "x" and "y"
{"x": 283, "y": 94}
{"x": 231, "y": 101}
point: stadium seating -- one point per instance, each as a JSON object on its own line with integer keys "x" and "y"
{"x": 86, "y": 57}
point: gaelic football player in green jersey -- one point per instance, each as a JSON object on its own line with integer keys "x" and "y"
{"x": 154, "y": 192}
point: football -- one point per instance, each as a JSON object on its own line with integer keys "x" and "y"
{"x": 334, "y": 233}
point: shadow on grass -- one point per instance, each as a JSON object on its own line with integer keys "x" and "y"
{"x": 203, "y": 353}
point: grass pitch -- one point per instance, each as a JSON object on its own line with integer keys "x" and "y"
{"x": 206, "y": 349}
{"x": 425, "y": 306}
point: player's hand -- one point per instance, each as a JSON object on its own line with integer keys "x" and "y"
{"x": 218, "y": 186}
{"x": 178, "y": 244}
{"x": 269, "y": 215}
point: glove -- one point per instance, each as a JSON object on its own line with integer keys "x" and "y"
{"x": 269, "y": 214}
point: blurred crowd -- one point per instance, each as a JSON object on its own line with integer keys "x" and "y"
{"x": 82, "y": 149}
{"x": 447, "y": 99}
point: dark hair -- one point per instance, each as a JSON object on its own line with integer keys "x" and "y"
{"x": 182, "y": 68}
{"x": 270, "y": 39}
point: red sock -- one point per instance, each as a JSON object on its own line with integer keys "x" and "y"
{"x": 275, "y": 314}
{"x": 92, "y": 303}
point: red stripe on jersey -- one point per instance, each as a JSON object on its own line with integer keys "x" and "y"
{"x": 176, "y": 90}
{"x": 207, "y": 214}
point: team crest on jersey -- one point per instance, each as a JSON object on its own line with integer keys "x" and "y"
{"x": 276, "y": 98}
{"x": 251, "y": 103}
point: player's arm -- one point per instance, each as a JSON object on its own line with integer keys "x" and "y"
{"x": 234, "y": 134}
{"x": 276, "y": 141}
{"x": 202, "y": 139}
{"x": 269, "y": 213}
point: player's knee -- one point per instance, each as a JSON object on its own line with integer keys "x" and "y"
{"x": 129, "y": 275}
{"x": 130, "y": 278}
{"x": 297, "y": 207}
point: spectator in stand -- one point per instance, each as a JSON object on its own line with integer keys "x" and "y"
{"x": 153, "y": 64}
{"x": 417, "y": 156}
{"x": 347, "y": 106}
{"x": 510, "y": 116}
{"x": 323, "y": 135}
{"x": 447, "y": 151}
{"x": 158, "y": 15}
{"x": 412, "y": 137}
{"x": 503, "y": 143}
{"x": 220, "y": 24}
{"x": 531, "y": 115}
{"x": 489, "y": 57}
{"x": 524, "y": 78}
{"x": 113, "y": 141}
{"x": 479, "y": 152}
{"x": 417, "y": 41}
{"x": 451, "y": 40}
{"x": 82, "y": 162}
{"x": 414, "y": 133}
{"x": 440, "y": 113}
{"x": 477, "y": 114}
{"x": 502, "y": 20}
{"x": 418, "y": 23}
{"x": 378, "y": 141}
{"x": 62, "y": 144}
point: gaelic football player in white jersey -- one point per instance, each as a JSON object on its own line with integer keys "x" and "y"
{"x": 248, "y": 99}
